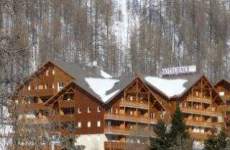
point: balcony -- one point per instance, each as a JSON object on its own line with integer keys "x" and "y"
{"x": 38, "y": 121}
{"x": 41, "y": 92}
{"x": 66, "y": 103}
{"x": 129, "y": 118}
{"x": 204, "y": 124}
{"x": 62, "y": 118}
{"x": 31, "y": 107}
{"x": 204, "y": 112}
{"x": 133, "y": 104}
{"x": 206, "y": 100}
{"x": 119, "y": 145}
{"x": 200, "y": 136}
{"x": 227, "y": 97}
{"x": 117, "y": 130}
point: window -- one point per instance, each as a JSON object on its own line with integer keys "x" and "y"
{"x": 40, "y": 87}
{"x": 221, "y": 93}
{"x": 60, "y": 86}
{"x": 79, "y": 110}
{"x": 98, "y": 123}
{"x": 46, "y": 86}
{"x": 53, "y": 86}
{"x": 68, "y": 110}
{"x": 98, "y": 109}
{"x": 29, "y": 88}
{"x": 47, "y": 72}
{"x": 88, "y": 110}
{"x": 79, "y": 124}
{"x": 53, "y": 72}
{"x": 88, "y": 124}
{"x": 68, "y": 97}
{"x": 116, "y": 111}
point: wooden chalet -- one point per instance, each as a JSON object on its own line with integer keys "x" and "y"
{"x": 223, "y": 88}
{"x": 198, "y": 101}
{"x": 115, "y": 113}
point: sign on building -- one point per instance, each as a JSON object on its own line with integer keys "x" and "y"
{"x": 178, "y": 70}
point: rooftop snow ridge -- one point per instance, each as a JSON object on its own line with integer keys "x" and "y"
{"x": 101, "y": 86}
{"x": 170, "y": 87}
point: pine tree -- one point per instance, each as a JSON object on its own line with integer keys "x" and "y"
{"x": 178, "y": 125}
{"x": 178, "y": 136}
{"x": 216, "y": 143}
{"x": 68, "y": 143}
{"x": 161, "y": 142}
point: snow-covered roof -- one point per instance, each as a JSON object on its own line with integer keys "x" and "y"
{"x": 105, "y": 74}
{"x": 101, "y": 86}
{"x": 170, "y": 87}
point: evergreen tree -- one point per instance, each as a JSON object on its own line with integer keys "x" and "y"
{"x": 161, "y": 142}
{"x": 68, "y": 143}
{"x": 178, "y": 125}
{"x": 177, "y": 137}
{"x": 216, "y": 143}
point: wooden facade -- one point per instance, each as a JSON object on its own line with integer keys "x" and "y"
{"x": 134, "y": 112}
{"x": 202, "y": 114}
{"x": 76, "y": 112}
{"x": 223, "y": 88}
{"x": 128, "y": 117}
{"x": 41, "y": 86}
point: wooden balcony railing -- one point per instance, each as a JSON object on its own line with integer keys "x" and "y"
{"x": 203, "y": 124}
{"x": 31, "y": 107}
{"x": 199, "y": 136}
{"x": 116, "y": 130}
{"x": 66, "y": 104}
{"x": 204, "y": 112}
{"x": 38, "y": 121}
{"x": 206, "y": 100}
{"x": 62, "y": 118}
{"x": 129, "y": 118}
{"x": 64, "y": 132}
{"x": 134, "y": 104}
{"x": 118, "y": 145}
{"x": 227, "y": 97}
{"x": 43, "y": 92}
